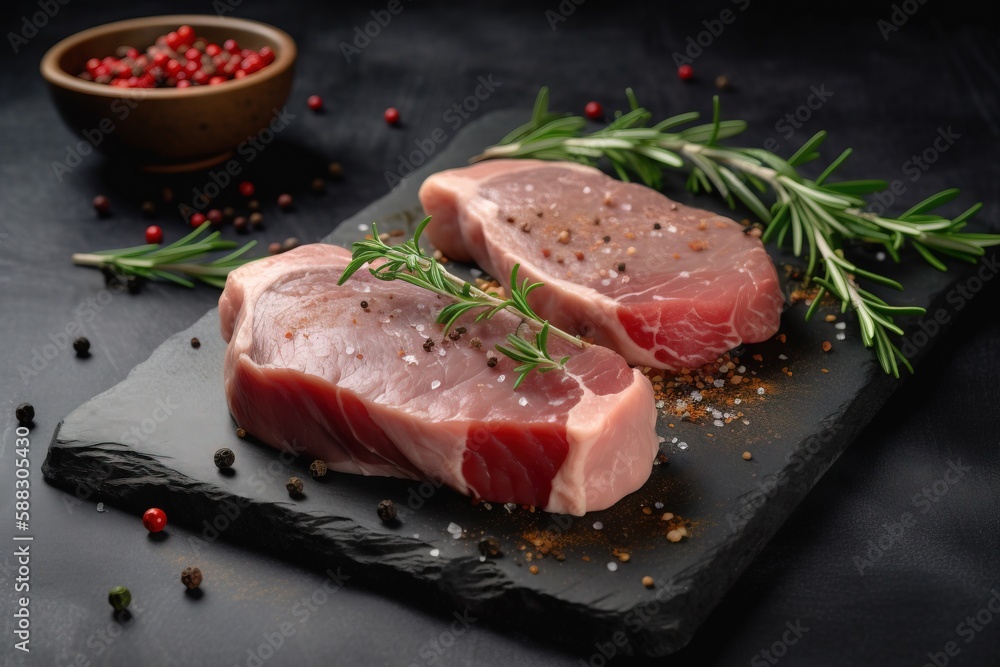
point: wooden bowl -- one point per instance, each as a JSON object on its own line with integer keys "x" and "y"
{"x": 169, "y": 129}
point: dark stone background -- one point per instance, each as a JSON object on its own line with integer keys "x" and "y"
{"x": 889, "y": 99}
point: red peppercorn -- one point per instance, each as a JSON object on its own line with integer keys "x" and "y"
{"x": 173, "y": 40}
{"x": 285, "y": 201}
{"x": 183, "y": 83}
{"x": 216, "y": 80}
{"x": 593, "y": 111}
{"x": 213, "y": 50}
{"x": 231, "y": 46}
{"x": 685, "y": 72}
{"x": 186, "y": 33}
{"x": 267, "y": 55}
{"x": 247, "y": 189}
{"x": 215, "y": 216}
{"x": 154, "y": 519}
{"x": 315, "y": 102}
{"x": 392, "y": 116}
{"x": 193, "y": 54}
{"x": 102, "y": 204}
{"x": 198, "y": 219}
{"x": 154, "y": 234}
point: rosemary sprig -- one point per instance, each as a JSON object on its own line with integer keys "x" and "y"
{"x": 819, "y": 217}
{"x": 407, "y": 262}
{"x": 184, "y": 257}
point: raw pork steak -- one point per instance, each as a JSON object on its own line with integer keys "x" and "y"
{"x": 307, "y": 366}
{"x": 663, "y": 284}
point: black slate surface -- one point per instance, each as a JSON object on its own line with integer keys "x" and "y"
{"x": 939, "y": 69}
{"x": 148, "y": 442}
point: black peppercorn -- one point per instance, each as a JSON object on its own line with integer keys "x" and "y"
{"x": 191, "y": 577}
{"x": 25, "y": 414}
{"x": 318, "y": 186}
{"x": 294, "y": 486}
{"x": 621, "y": 267}
{"x": 386, "y": 511}
{"x": 454, "y": 335}
{"x": 82, "y": 347}
{"x": 195, "y": 343}
{"x": 461, "y": 331}
{"x": 317, "y": 468}
{"x": 241, "y": 433}
{"x": 364, "y": 304}
{"x": 253, "y": 205}
{"x": 607, "y": 239}
{"x": 489, "y": 546}
{"x": 228, "y": 213}
{"x": 335, "y": 169}
{"x": 428, "y": 344}
{"x": 491, "y": 361}
{"x": 224, "y": 458}
{"x": 256, "y": 220}
{"x": 656, "y": 225}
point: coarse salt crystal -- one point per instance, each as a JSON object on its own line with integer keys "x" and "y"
{"x": 501, "y": 378}
{"x": 841, "y": 336}
{"x": 522, "y": 401}
{"x": 658, "y": 505}
{"x": 737, "y": 401}
{"x": 613, "y": 567}
{"x": 840, "y": 325}
{"x": 880, "y": 256}
{"x": 510, "y": 507}
{"x": 435, "y": 384}
{"x": 719, "y": 383}
{"x": 349, "y": 350}
{"x": 363, "y": 227}
{"x": 598, "y": 525}
{"x": 719, "y": 422}
{"x": 673, "y": 441}
{"x": 682, "y": 445}
{"x": 782, "y": 357}
{"x": 760, "y": 390}
{"x": 475, "y": 272}
{"x": 410, "y": 359}
{"x": 659, "y": 404}
{"x": 435, "y": 552}
{"x": 741, "y": 370}
{"x": 716, "y": 414}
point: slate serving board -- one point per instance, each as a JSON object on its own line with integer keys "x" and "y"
{"x": 149, "y": 442}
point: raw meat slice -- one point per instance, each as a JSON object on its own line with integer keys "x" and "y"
{"x": 663, "y": 284}
{"x": 308, "y": 367}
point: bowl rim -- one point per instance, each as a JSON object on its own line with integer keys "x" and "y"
{"x": 287, "y": 53}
